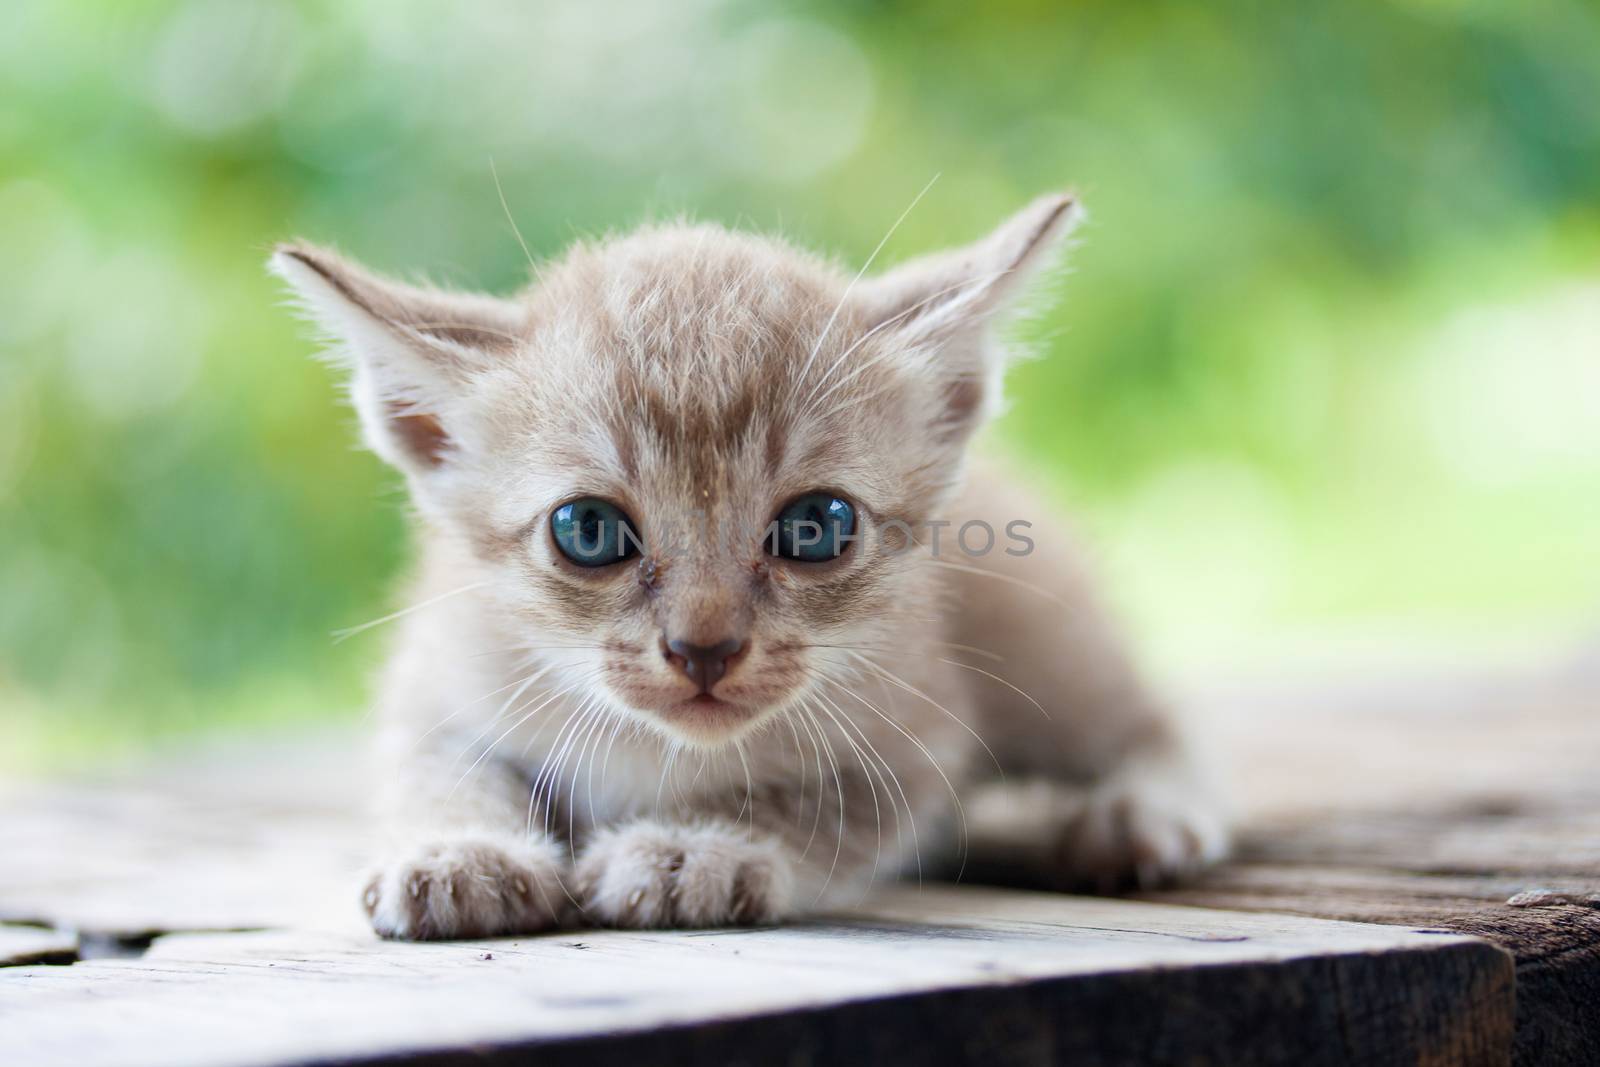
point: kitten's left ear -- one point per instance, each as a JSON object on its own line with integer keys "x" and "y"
{"x": 947, "y": 302}
{"x": 409, "y": 349}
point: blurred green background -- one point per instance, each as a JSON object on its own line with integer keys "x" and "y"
{"x": 1327, "y": 370}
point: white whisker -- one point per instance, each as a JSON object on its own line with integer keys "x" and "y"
{"x": 800, "y": 759}
{"x": 749, "y": 789}
{"x": 619, "y": 722}
{"x": 816, "y": 818}
{"x": 999, "y": 577}
{"x": 813, "y": 400}
{"x": 828, "y": 327}
{"x": 351, "y": 631}
{"x": 889, "y": 676}
{"x": 996, "y": 677}
{"x": 495, "y": 174}
{"x": 500, "y": 715}
{"x": 927, "y": 753}
{"x": 838, "y": 785}
{"x": 508, "y": 731}
{"x": 868, "y": 770}
{"x": 593, "y": 733}
{"x": 888, "y": 768}
{"x": 523, "y": 682}
{"x": 544, "y": 780}
{"x": 666, "y": 768}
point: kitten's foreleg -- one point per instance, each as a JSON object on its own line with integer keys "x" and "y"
{"x": 651, "y": 873}
{"x": 786, "y": 852}
{"x": 463, "y": 861}
{"x": 1152, "y": 815}
{"x": 1112, "y": 789}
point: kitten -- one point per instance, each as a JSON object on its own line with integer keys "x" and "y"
{"x": 685, "y": 652}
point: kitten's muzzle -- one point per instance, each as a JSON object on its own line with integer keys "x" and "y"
{"x": 704, "y": 665}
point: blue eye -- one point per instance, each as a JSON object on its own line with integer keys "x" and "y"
{"x": 594, "y": 533}
{"x": 813, "y": 528}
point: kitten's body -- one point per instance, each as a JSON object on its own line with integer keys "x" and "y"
{"x": 545, "y": 758}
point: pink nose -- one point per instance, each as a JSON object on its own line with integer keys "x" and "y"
{"x": 704, "y": 664}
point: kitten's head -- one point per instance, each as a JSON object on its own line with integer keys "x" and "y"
{"x": 685, "y": 462}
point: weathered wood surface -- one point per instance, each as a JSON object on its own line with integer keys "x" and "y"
{"x": 945, "y": 975}
{"x": 1462, "y": 800}
{"x": 1468, "y": 804}
{"x": 1448, "y": 737}
{"x": 1427, "y": 805}
{"x": 243, "y": 836}
{"x": 1427, "y": 870}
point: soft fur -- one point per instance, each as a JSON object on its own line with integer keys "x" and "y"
{"x": 541, "y": 764}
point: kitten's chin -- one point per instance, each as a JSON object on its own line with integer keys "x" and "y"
{"x": 704, "y": 720}
{"x": 708, "y": 720}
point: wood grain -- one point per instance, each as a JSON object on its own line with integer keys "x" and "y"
{"x": 238, "y": 836}
{"x": 1437, "y": 803}
{"x": 951, "y": 974}
{"x": 1455, "y": 871}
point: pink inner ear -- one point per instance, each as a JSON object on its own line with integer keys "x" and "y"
{"x": 962, "y": 399}
{"x": 420, "y": 434}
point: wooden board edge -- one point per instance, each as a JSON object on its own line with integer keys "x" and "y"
{"x": 1452, "y": 1002}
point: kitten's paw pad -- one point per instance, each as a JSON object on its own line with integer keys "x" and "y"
{"x": 1137, "y": 833}
{"x": 649, "y": 875}
{"x": 468, "y": 888}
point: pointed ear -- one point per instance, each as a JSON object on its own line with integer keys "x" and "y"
{"x": 408, "y": 349}
{"x": 949, "y": 291}
{"x": 945, "y": 303}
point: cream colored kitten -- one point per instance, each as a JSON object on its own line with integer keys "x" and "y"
{"x": 679, "y": 664}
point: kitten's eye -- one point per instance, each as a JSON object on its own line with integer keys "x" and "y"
{"x": 594, "y": 533}
{"x": 813, "y": 528}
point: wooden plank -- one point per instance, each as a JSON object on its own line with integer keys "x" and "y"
{"x": 1460, "y": 735}
{"x": 21, "y": 945}
{"x": 1468, "y": 802}
{"x": 1473, "y": 873}
{"x": 243, "y": 835}
{"x": 948, "y": 974}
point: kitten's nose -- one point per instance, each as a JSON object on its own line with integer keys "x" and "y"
{"x": 704, "y": 664}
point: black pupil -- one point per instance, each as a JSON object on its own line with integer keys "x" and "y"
{"x": 590, "y": 531}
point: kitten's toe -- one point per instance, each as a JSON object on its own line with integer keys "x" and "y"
{"x": 653, "y": 875}
{"x": 1139, "y": 832}
{"x": 468, "y": 888}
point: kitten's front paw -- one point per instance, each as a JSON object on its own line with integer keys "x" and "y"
{"x": 652, "y": 875}
{"x": 1140, "y": 829}
{"x": 468, "y": 888}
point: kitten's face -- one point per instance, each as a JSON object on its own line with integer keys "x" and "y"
{"x": 672, "y": 377}
{"x": 622, "y": 448}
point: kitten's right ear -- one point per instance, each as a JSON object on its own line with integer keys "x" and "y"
{"x": 408, "y": 349}
{"x": 945, "y": 305}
